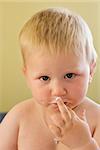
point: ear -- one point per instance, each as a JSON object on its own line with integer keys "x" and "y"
{"x": 92, "y": 70}
{"x": 24, "y": 71}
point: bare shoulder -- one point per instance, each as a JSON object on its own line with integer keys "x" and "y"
{"x": 19, "y": 110}
{"x": 9, "y": 128}
{"x": 24, "y": 109}
{"x": 92, "y": 107}
{"x": 93, "y": 110}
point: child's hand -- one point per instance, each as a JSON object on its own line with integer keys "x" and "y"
{"x": 69, "y": 128}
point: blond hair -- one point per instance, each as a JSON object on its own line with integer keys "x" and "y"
{"x": 58, "y": 30}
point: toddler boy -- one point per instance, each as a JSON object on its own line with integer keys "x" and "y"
{"x": 59, "y": 60}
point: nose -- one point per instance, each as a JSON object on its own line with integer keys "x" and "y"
{"x": 58, "y": 89}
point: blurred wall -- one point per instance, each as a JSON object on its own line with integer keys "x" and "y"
{"x": 13, "y": 15}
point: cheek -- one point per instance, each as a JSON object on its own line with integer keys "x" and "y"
{"x": 40, "y": 94}
{"x": 79, "y": 91}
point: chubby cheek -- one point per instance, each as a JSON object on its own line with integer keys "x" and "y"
{"x": 41, "y": 95}
{"x": 78, "y": 92}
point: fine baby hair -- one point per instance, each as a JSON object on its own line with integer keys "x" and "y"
{"x": 57, "y": 30}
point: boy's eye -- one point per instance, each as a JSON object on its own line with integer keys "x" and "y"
{"x": 44, "y": 78}
{"x": 70, "y": 75}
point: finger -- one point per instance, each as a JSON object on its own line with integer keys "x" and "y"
{"x": 75, "y": 117}
{"x": 73, "y": 114}
{"x": 63, "y": 109}
{"x": 58, "y": 120}
{"x": 56, "y": 131}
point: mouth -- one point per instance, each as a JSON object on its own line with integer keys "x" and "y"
{"x": 65, "y": 103}
{"x": 55, "y": 107}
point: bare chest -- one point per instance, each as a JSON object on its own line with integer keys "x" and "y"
{"x": 35, "y": 136}
{"x": 37, "y": 139}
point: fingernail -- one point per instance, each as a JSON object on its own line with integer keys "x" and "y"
{"x": 58, "y": 98}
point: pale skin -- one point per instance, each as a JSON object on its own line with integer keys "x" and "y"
{"x": 74, "y": 119}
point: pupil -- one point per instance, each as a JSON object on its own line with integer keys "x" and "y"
{"x": 45, "y": 78}
{"x": 69, "y": 75}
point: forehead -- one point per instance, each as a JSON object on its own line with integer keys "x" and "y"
{"x": 43, "y": 60}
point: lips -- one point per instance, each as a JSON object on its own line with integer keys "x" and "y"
{"x": 64, "y": 99}
{"x": 55, "y": 104}
{"x": 53, "y": 107}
